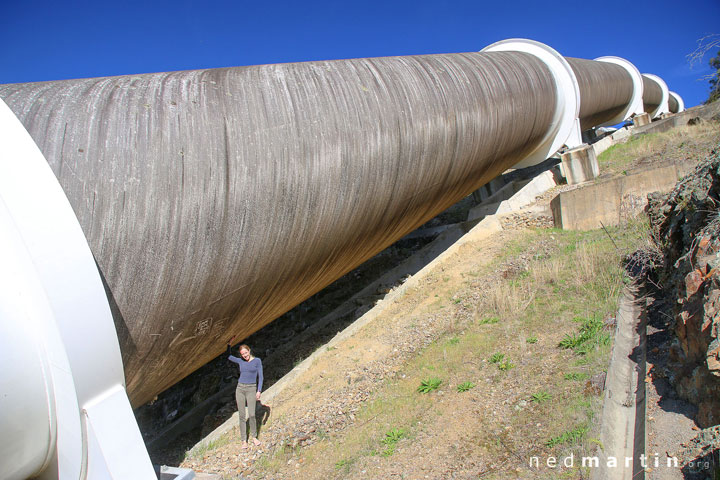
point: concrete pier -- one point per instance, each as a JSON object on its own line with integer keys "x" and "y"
{"x": 580, "y": 164}
{"x": 641, "y": 120}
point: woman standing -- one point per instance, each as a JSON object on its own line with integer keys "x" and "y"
{"x": 248, "y": 390}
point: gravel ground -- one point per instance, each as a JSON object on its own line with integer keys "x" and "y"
{"x": 333, "y": 412}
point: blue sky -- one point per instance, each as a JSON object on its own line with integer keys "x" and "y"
{"x": 51, "y": 40}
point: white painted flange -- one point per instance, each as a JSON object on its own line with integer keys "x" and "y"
{"x": 635, "y": 107}
{"x": 678, "y": 99}
{"x": 565, "y": 126}
{"x": 68, "y": 415}
{"x": 663, "y": 107}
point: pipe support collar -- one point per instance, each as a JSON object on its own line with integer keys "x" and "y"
{"x": 567, "y": 100}
{"x": 663, "y": 107}
{"x": 678, "y": 99}
{"x": 635, "y": 107}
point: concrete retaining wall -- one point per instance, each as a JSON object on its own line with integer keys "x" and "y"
{"x": 613, "y": 200}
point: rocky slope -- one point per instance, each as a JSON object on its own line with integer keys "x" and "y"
{"x": 686, "y": 224}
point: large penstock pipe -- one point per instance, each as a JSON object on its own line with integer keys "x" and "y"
{"x": 655, "y": 95}
{"x": 675, "y": 103}
{"x": 216, "y": 200}
{"x": 606, "y": 90}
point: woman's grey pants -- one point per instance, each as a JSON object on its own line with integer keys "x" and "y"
{"x": 245, "y": 393}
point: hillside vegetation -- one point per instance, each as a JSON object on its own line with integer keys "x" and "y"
{"x": 496, "y": 355}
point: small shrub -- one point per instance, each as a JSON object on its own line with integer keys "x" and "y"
{"x": 393, "y": 436}
{"x": 489, "y": 321}
{"x": 540, "y": 397}
{"x": 505, "y": 365}
{"x": 589, "y": 336}
{"x": 344, "y": 464}
{"x": 573, "y": 435}
{"x": 570, "y": 341}
{"x": 465, "y": 386}
{"x": 429, "y": 384}
{"x": 532, "y": 339}
{"x": 496, "y": 357}
{"x": 391, "y": 439}
{"x": 576, "y": 376}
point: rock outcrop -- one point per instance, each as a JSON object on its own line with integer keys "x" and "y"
{"x": 686, "y": 224}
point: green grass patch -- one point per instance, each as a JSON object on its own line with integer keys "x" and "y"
{"x": 344, "y": 464}
{"x": 429, "y": 384}
{"x": 489, "y": 320}
{"x": 465, "y": 386}
{"x": 540, "y": 397}
{"x": 570, "y": 436}
{"x": 391, "y": 439}
{"x": 589, "y": 336}
{"x": 505, "y": 365}
{"x": 496, "y": 357}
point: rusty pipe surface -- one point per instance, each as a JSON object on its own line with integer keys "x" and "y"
{"x": 216, "y": 200}
{"x": 605, "y": 90}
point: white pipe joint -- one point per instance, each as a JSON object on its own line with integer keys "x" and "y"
{"x": 678, "y": 99}
{"x": 565, "y": 127}
{"x": 65, "y": 413}
{"x": 663, "y": 107}
{"x": 635, "y": 106}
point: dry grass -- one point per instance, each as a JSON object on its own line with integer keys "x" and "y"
{"x": 675, "y": 145}
{"x": 495, "y": 426}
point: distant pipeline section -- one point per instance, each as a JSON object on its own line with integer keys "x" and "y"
{"x": 213, "y": 201}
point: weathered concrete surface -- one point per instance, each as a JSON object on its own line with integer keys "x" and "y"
{"x": 641, "y": 120}
{"x": 622, "y": 433}
{"x": 580, "y": 164}
{"x": 610, "y": 201}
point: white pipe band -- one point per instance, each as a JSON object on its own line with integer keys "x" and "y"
{"x": 679, "y": 100}
{"x": 663, "y": 107}
{"x": 635, "y": 107}
{"x": 565, "y": 129}
{"x": 57, "y": 329}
